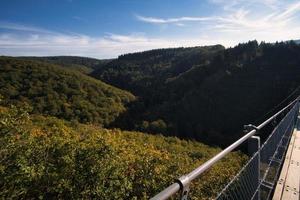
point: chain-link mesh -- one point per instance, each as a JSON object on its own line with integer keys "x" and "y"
{"x": 244, "y": 185}
{"x": 258, "y": 177}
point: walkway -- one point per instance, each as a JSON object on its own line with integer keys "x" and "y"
{"x": 288, "y": 184}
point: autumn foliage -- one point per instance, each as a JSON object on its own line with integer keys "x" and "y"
{"x": 45, "y": 157}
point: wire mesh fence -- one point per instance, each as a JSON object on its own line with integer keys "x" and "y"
{"x": 258, "y": 177}
{"x": 256, "y": 180}
{"x": 245, "y": 184}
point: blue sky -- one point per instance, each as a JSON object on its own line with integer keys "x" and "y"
{"x": 108, "y": 28}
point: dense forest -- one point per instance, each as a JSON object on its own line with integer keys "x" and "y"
{"x": 82, "y": 64}
{"x": 48, "y": 158}
{"x": 57, "y": 91}
{"x": 204, "y": 93}
{"x": 145, "y": 72}
{"x": 71, "y": 127}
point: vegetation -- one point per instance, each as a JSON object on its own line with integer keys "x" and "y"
{"x": 202, "y": 93}
{"x": 48, "y": 158}
{"x": 205, "y": 93}
{"x": 55, "y": 91}
{"x": 82, "y": 64}
{"x": 143, "y": 73}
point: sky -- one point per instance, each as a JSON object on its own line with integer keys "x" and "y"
{"x": 108, "y": 28}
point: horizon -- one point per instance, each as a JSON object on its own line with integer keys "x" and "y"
{"x": 106, "y": 29}
{"x": 111, "y": 58}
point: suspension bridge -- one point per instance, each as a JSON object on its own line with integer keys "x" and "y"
{"x": 273, "y": 168}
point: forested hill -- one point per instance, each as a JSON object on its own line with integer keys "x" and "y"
{"x": 82, "y": 64}
{"x": 205, "y": 93}
{"x": 53, "y": 90}
{"x": 47, "y": 158}
{"x": 144, "y": 72}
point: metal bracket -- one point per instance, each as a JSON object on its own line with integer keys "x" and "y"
{"x": 184, "y": 183}
{"x": 250, "y": 127}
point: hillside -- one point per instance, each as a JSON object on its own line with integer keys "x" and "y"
{"x": 143, "y": 73}
{"x": 47, "y": 158}
{"x": 54, "y": 90}
{"x": 211, "y": 94}
{"x": 82, "y": 64}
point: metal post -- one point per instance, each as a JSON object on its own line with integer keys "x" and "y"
{"x": 254, "y": 147}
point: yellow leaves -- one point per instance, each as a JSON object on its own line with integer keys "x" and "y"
{"x": 37, "y": 132}
{"x": 3, "y": 109}
{"x": 83, "y": 161}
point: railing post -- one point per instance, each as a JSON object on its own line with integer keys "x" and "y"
{"x": 254, "y": 147}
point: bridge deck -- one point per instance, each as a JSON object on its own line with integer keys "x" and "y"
{"x": 288, "y": 184}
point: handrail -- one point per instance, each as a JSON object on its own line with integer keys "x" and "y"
{"x": 184, "y": 181}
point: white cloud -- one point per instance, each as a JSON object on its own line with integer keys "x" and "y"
{"x": 289, "y": 11}
{"x": 126, "y": 38}
{"x": 175, "y": 21}
{"x": 154, "y": 20}
{"x": 241, "y": 15}
{"x": 240, "y": 23}
{"x": 21, "y": 27}
{"x": 23, "y": 40}
{"x": 232, "y": 4}
{"x": 244, "y": 20}
{"x": 108, "y": 46}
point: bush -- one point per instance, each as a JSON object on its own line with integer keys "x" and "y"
{"x": 47, "y": 158}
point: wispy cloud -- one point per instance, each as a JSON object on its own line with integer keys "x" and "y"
{"x": 238, "y": 22}
{"x": 242, "y": 17}
{"x": 175, "y": 21}
{"x": 50, "y": 43}
{"x": 289, "y": 12}
{"x": 21, "y": 27}
{"x": 232, "y": 4}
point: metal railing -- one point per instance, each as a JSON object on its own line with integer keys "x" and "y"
{"x": 257, "y": 179}
{"x": 250, "y": 185}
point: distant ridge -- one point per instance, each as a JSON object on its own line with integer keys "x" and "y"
{"x": 82, "y": 64}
